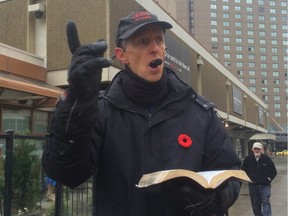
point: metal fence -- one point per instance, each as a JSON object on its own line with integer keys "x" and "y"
{"x": 33, "y": 189}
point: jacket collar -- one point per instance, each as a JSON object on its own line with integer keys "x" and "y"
{"x": 116, "y": 95}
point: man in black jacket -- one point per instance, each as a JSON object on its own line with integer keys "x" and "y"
{"x": 147, "y": 120}
{"x": 261, "y": 170}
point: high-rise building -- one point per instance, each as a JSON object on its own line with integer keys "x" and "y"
{"x": 250, "y": 38}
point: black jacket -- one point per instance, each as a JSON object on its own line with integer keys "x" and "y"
{"x": 260, "y": 172}
{"x": 128, "y": 141}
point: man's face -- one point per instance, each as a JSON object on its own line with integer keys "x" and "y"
{"x": 143, "y": 47}
{"x": 257, "y": 152}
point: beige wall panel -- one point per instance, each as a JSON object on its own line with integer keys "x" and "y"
{"x": 214, "y": 87}
{"x": 90, "y": 18}
{"x": 251, "y": 111}
{"x": 13, "y": 24}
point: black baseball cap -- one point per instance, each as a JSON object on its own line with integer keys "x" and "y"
{"x": 134, "y": 21}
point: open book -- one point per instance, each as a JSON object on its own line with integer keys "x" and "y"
{"x": 206, "y": 179}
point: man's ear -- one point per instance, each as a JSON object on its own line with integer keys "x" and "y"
{"x": 121, "y": 55}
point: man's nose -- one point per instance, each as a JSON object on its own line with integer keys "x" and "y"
{"x": 156, "y": 46}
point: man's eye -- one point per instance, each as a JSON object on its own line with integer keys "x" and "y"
{"x": 144, "y": 41}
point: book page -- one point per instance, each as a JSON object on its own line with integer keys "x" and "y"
{"x": 208, "y": 175}
{"x": 161, "y": 176}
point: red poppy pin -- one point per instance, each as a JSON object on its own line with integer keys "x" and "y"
{"x": 184, "y": 140}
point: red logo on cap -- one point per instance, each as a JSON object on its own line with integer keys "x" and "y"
{"x": 143, "y": 15}
{"x": 184, "y": 140}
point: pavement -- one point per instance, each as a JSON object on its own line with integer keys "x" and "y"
{"x": 278, "y": 200}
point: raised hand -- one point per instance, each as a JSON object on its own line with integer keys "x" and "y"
{"x": 84, "y": 73}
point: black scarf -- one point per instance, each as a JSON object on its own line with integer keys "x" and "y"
{"x": 143, "y": 92}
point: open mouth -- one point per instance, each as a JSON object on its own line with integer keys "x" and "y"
{"x": 155, "y": 63}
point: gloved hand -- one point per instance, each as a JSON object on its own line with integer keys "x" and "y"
{"x": 191, "y": 198}
{"x": 84, "y": 73}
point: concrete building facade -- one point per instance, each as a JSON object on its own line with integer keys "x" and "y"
{"x": 38, "y": 28}
{"x": 250, "y": 38}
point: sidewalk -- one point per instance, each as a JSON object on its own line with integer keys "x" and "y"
{"x": 242, "y": 206}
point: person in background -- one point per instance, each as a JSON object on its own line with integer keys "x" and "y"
{"x": 51, "y": 184}
{"x": 261, "y": 170}
{"x": 147, "y": 120}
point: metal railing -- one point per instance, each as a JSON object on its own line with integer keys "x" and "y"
{"x": 68, "y": 202}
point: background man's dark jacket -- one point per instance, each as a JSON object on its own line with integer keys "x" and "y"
{"x": 260, "y": 172}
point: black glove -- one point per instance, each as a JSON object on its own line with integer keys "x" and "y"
{"x": 191, "y": 198}
{"x": 84, "y": 73}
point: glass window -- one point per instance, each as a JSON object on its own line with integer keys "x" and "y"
{"x": 261, "y": 25}
{"x": 273, "y": 26}
{"x": 262, "y": 41}
{"x": 226, "y": 31}
{"x": 227, "y": 63}
{"x": 213, "y": 14}
{"x": 250, "y": 32}
{"x": 215, "y": 54}
{"x": 263, "y": 57}
{"x": 272, "y": 10}
{"x": 250, "y": 17}
{"x": 226, "y": 15}
{"x": 239, "y": 56}
{"x": 265, "y": 97}
{"x": 239, "y": 48}
{"x": 213, "y": 6}
{"x": 252, "y": 72}
{"x": 284, "y": 4}
{"x": 17, "y": 120}
{"x": 238, "y": 40}
{"x": 40, "y": 122}
{"x": 263, "y": 49}
{"x": 275, "y": 65}
{"x": 240, "y": 72}
{"x": 249, "y": 9}
{"x": 277, "y": 98}
{"x": 283, "y": 12}
{"x": 213, "y": 30}
{"x": 276, "y": 81}
{"x": 264, "y": 73}
{"x": 237, "y": 8}
{"x": 250, "y": 48}
{"x": 249, "y": 1}
{"x": 226, "y": 39}
{"x": 237, "y": 16}
{"x": 262, "y": 34}
{"x": 225, "y": 7}
{"x": 261, "y": 2}
{"x": 227, "y": 56}
{"x": 239, "y": 64}
{"x": 252, "y": 81}
{"x": 261, "y": 18}
{"x": 238, "y": 32}
{"x": 273, "y": 18}
{"x": 227, "y": 47}
{"x": 238, "y": 24}
{"x": 251, "y": 40}
{"x": 214, "y": 39}
{"x": 213, "y": 22}
{"x": 277, "y": 106}
{"x": 264, "y": 81}
{"x": 277, "y": 114}
{"x": 251, "y": 56}
{"x": 263, "y": 65}
{"x": 250, "y": 25}
{"x": 272, "y": 3}
{"x": 252, "y": 88}
{"x": 226, "y": 23}
{"x": 275, "y": 58}
{"x": 264, "y": 89}
{"x": 251, "y": 64}
{"x": 274, "y": 42}
{"x": 274, "y": 50}
{"x": 275, "y": 74}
